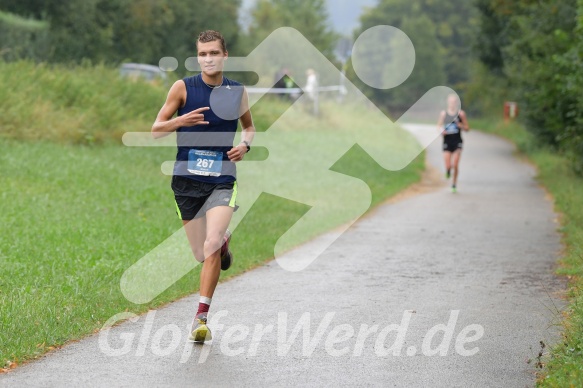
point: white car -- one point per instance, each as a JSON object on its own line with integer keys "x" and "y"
{"x": 143, "y": 71}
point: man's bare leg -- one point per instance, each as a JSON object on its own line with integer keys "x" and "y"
{"x": 196, "y": 234}
{"x": 206, "y": 235}
{"x": 217, "y": 221}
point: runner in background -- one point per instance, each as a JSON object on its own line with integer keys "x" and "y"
{"x": 452, "y": 122}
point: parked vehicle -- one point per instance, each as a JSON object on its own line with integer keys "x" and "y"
{"x": 143, "y": 71}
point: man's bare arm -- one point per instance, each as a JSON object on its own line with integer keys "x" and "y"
{"x": 247, "y": 131}
{"x": 176, "y": 98}
{"x": 247, "y": 126}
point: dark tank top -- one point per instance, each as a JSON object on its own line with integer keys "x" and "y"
{"x": 202, "y": 149}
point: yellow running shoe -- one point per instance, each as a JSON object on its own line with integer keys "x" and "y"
{"x": 200, "y": 332}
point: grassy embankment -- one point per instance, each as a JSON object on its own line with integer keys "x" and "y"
{"x": 78, "y": 207}
{"x": 564, "y": 367}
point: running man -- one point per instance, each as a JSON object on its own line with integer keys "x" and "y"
{"x": 452, "y": 122}
{"x": 204, "y": 177}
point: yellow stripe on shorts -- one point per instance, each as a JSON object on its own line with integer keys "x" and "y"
{"x": 178, "y": 210}
{"x": 234, "y": 196}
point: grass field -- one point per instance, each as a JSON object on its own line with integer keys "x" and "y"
{"x": 78, "y": 208}
{"x": 564, "y": 366}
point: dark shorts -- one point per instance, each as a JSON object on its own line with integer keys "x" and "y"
{"x": 451, "y": 146}
{"x": 194, "y": 198}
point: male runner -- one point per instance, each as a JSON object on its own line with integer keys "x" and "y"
{"x": 204, "y": 178}
{"x": 451, "y": 122}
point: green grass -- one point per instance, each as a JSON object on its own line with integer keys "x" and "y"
{"x": 78, "y": 208}
{"x": 564, "y": 366}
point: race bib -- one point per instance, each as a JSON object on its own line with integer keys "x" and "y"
{"x": 451, "y": 129}
{"x": 205, "y": 163}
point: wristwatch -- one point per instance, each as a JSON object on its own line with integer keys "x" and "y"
{"x": 247, "y": 144}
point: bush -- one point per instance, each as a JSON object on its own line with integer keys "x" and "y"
{"x": 23, "y": 38}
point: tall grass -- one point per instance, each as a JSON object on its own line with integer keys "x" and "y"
{"x": 78, "y": 105}
{"x": 564, "y": 366}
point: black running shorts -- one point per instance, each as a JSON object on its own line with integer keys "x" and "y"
{"x": 451, "y": 146}
{"x": 194, "y": 198}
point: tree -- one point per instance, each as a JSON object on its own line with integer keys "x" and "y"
{"x": 22, "y": 38}
{"x": 116, "y": 30}
{"x": 307, "y": 16}
{"x": 492, "y": 36}
{"x": 453, "y": 22}
{"x": 140, "y": 29}
{"x": 27, "y": 8}
{"x": 537, "y": 46}
{"x": 79, "y": 31}
{"x": 427, "y": 33}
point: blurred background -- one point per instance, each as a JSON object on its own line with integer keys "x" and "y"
{"x": 489, "y": 51}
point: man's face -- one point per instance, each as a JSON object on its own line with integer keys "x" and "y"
{"x": 211, "y": 57}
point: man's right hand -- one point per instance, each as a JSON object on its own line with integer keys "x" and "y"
{"x": 196, "y": 117}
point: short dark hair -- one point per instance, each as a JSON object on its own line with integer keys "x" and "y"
{"x": 210, "y": 36}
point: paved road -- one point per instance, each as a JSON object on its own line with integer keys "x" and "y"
{"x": 437, "y": 290}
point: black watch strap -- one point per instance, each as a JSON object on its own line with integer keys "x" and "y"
{"x": 247, "y": 144}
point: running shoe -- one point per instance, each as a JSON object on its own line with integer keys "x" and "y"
{"x": 453, "y": 189}
{"x": 447, "y": 174}
{"x": 226, "y": 255}
{"x": 199, "y": 331}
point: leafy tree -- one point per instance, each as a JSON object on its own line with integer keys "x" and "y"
{"x": 492, "y": 36}
{"x": 307, "y": 16}
{"x": 454, "y": 23}
{"x": 442, "y": 32}
{"x": 189, "y": 20}
{"x": 28, "y": 8}
{"x": 117, "y": 30}
{"x": 432, "y": 57}
{"x": 570, "y": 78}
{"x": 537, "y": 46}
{"x": 22, "y": 38}
{"x": 81, "y": 30}
{"x": 140, "y": 29}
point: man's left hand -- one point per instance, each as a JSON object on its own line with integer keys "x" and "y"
{"x": 237, "y": 153}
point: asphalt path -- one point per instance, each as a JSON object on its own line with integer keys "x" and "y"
{"x": 436, "y": 289}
